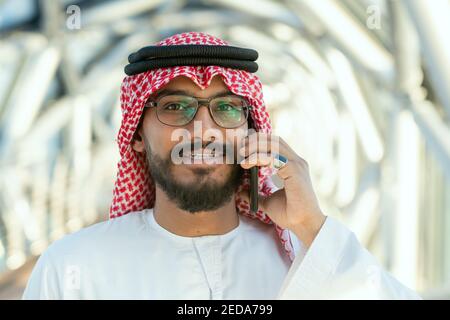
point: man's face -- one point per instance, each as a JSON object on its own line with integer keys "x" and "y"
{"x": 194, "y": 187}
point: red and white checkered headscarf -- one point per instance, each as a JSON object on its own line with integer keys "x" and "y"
{"x": 134, "y": 189}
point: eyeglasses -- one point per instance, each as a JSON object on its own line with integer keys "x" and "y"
{"x": 230, "y": 111}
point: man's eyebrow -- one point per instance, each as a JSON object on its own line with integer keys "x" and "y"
{"x": 165, "y": 92}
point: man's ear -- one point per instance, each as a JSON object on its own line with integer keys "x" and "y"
{"x": 138, "y": 141}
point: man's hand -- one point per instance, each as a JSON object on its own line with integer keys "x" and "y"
{"x": 294, "y": 207}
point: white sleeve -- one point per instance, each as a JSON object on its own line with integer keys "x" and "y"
{"x": 43, "y": 283}
{"x": 336, "y": 266}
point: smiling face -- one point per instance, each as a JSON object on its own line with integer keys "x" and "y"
{"x": 194, "y": 187}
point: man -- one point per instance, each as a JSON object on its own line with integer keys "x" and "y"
{"x": 183, "y": 230}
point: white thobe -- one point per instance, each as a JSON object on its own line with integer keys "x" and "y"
{"x": 133, "y": 257}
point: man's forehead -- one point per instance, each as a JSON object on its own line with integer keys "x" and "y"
{"x": 183, "y": 83}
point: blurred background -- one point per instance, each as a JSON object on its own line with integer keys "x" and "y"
{"x": 359, "y": 88}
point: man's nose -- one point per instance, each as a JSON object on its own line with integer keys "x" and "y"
{"x": 204, "y": 127}
{"x": 204, "y": 119}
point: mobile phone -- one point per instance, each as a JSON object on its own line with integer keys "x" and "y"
{"x": 253, "y": 180}
{"x": 254, "y": 189}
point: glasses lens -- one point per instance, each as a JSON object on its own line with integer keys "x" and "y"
{"x": 229, "y": 111}
{"x": 176, "y": 110}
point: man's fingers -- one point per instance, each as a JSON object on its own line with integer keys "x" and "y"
{"x": 258, "y": 146}
{"x": 258, "y": 142}
{"x": 257, "y": 159}
{"x": 261, "y": 142}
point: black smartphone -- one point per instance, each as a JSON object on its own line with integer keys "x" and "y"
{"x": 253, "y": 178}
{"x": 254, "y": 189}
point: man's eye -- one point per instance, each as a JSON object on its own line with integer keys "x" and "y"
{"x": 175, "y": 107}
{"x": 226, "y": 107}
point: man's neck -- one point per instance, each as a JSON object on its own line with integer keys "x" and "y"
{"x": 186, "y": 224}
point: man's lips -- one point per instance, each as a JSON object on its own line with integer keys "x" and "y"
{"x": 211, "y": 155}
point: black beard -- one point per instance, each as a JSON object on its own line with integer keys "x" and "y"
{"x": 202, "y": 195}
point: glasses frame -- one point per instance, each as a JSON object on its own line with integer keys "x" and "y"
{"x": 153, "y": 103}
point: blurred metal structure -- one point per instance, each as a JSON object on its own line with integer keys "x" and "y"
{"x": 360, "y": 88}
